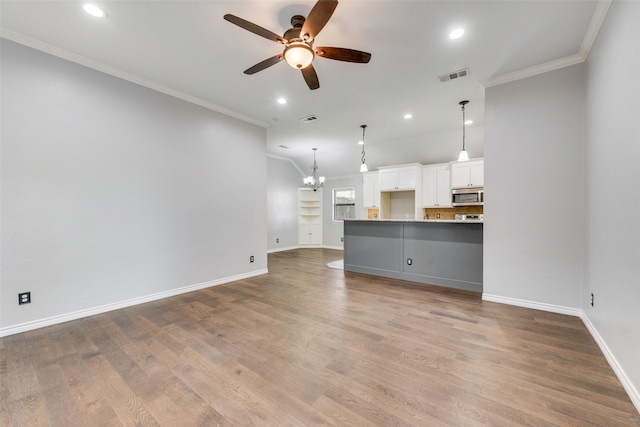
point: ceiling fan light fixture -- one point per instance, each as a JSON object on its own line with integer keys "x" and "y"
{"x": 298, "y": 41}
{"x": 299, "y": 55}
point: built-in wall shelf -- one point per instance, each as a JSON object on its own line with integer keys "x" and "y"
{"x": 309, "y": 217}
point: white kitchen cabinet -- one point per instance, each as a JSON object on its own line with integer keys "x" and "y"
{"x": 309, "y": 217}
{"x": 467, "y": 174}
{"x": 399, "y": 178}
{"x": 371, "y": 190}
{"x": 436, "y": 191}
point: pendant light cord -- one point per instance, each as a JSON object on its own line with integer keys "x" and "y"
{"x": 463, "y": 129}
{"x": 463, "y": 103}
{"x": 363, "y": 129}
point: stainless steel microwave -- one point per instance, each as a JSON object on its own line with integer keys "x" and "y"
{"x": 470, "y": 196}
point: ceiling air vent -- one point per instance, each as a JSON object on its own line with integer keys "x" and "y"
{"x": 308, "y": 119}
{"x": 454, "y": 75}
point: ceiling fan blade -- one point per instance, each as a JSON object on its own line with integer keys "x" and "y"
{"x": 310, "y": 76}
{"x": 264, "y": 64}
{"x": 342, "y": 54}
{"x": 255, "y": 29}
{"x": 317, "y": 18}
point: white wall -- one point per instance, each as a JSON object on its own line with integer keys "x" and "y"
{"x": 283, "y": 181}
{"x": 534, "y": 183}
{"x": 612, "y": 196}
{"x": 112, "y": 193}
{"x": 571, "y": 140}
{"x": 333, "y": 231}
{"x": 441, "y": 146}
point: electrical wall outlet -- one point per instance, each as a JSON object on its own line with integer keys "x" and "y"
{"x": 277, "y": 240}
{"x": 24, "y": 298}
{"x": 251, "y": 258}
{"x": 592, "y": 298}
{"x": 342, "y": 239}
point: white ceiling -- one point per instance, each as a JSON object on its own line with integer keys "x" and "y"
{"x": 186, "y": 48}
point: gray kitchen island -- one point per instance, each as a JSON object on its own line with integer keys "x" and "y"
{"x": 437, "y": 252}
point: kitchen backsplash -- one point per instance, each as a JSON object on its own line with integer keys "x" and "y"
{"x": 449, "y": 213}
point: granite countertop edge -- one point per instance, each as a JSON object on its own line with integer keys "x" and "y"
{"x": 446, "y": 221}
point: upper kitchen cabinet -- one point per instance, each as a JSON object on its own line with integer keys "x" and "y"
{"x": 371, "y": 190}
{"x": 398, "y": 178}
{"x": 436, "y": 189}
{"x": 467, "y": 174}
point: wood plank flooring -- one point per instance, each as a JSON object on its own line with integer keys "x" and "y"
{"x": 308, "y": 345}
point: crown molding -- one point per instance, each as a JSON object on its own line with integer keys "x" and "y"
{"x": 354, "y": 176}
{"x": 287, "y": 159}
{"x": 599, "y": 14}
{"x": 124, "y": 75}
{"x": 602, "y": 7}
{"x": 567, "y": 61}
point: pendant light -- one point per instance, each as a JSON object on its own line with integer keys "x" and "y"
{"x": 363, "y": 166}
{"x": 314, "y": 181}
{"x": 464, "y": 156}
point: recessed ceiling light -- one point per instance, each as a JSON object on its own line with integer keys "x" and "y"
{"x": 408, "y": 116}
{"x": 468, "y": 122}
{"x": 456, "y": 34}
{"x": 94, "y": 10}
{"x": 282, "y": 101}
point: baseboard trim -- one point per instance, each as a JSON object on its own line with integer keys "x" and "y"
{"x": 54, "y": 320}
{"x": 633, "y": 393}
{"x": 533, "y": 304}
{"x": 628, "y": 386}
{"x": 289, "y": 248}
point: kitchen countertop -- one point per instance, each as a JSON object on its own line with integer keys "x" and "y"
{"x": 446, "y": 221}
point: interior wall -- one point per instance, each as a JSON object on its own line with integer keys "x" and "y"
{"x": 333, "y": 231}
{"x": 533, "y": 226}
{"x": 612, "y": 193}
{"x": 440, "y": 146}
{"x": 283, "y": 181}
{"x": 112, "y": 192}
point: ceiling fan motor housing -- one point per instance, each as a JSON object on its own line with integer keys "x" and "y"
{"x": 297, "y": 21}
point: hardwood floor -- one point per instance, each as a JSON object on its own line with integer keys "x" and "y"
{"x": 310, "y": 345}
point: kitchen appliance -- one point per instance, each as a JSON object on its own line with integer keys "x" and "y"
{"x": 470, "y": 196}
{"x": 469, "y": 217}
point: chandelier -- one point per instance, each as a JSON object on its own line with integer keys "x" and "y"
{"x": 314, "y": 181}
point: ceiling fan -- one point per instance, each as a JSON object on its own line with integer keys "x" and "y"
{"x": 298, "y": 41}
